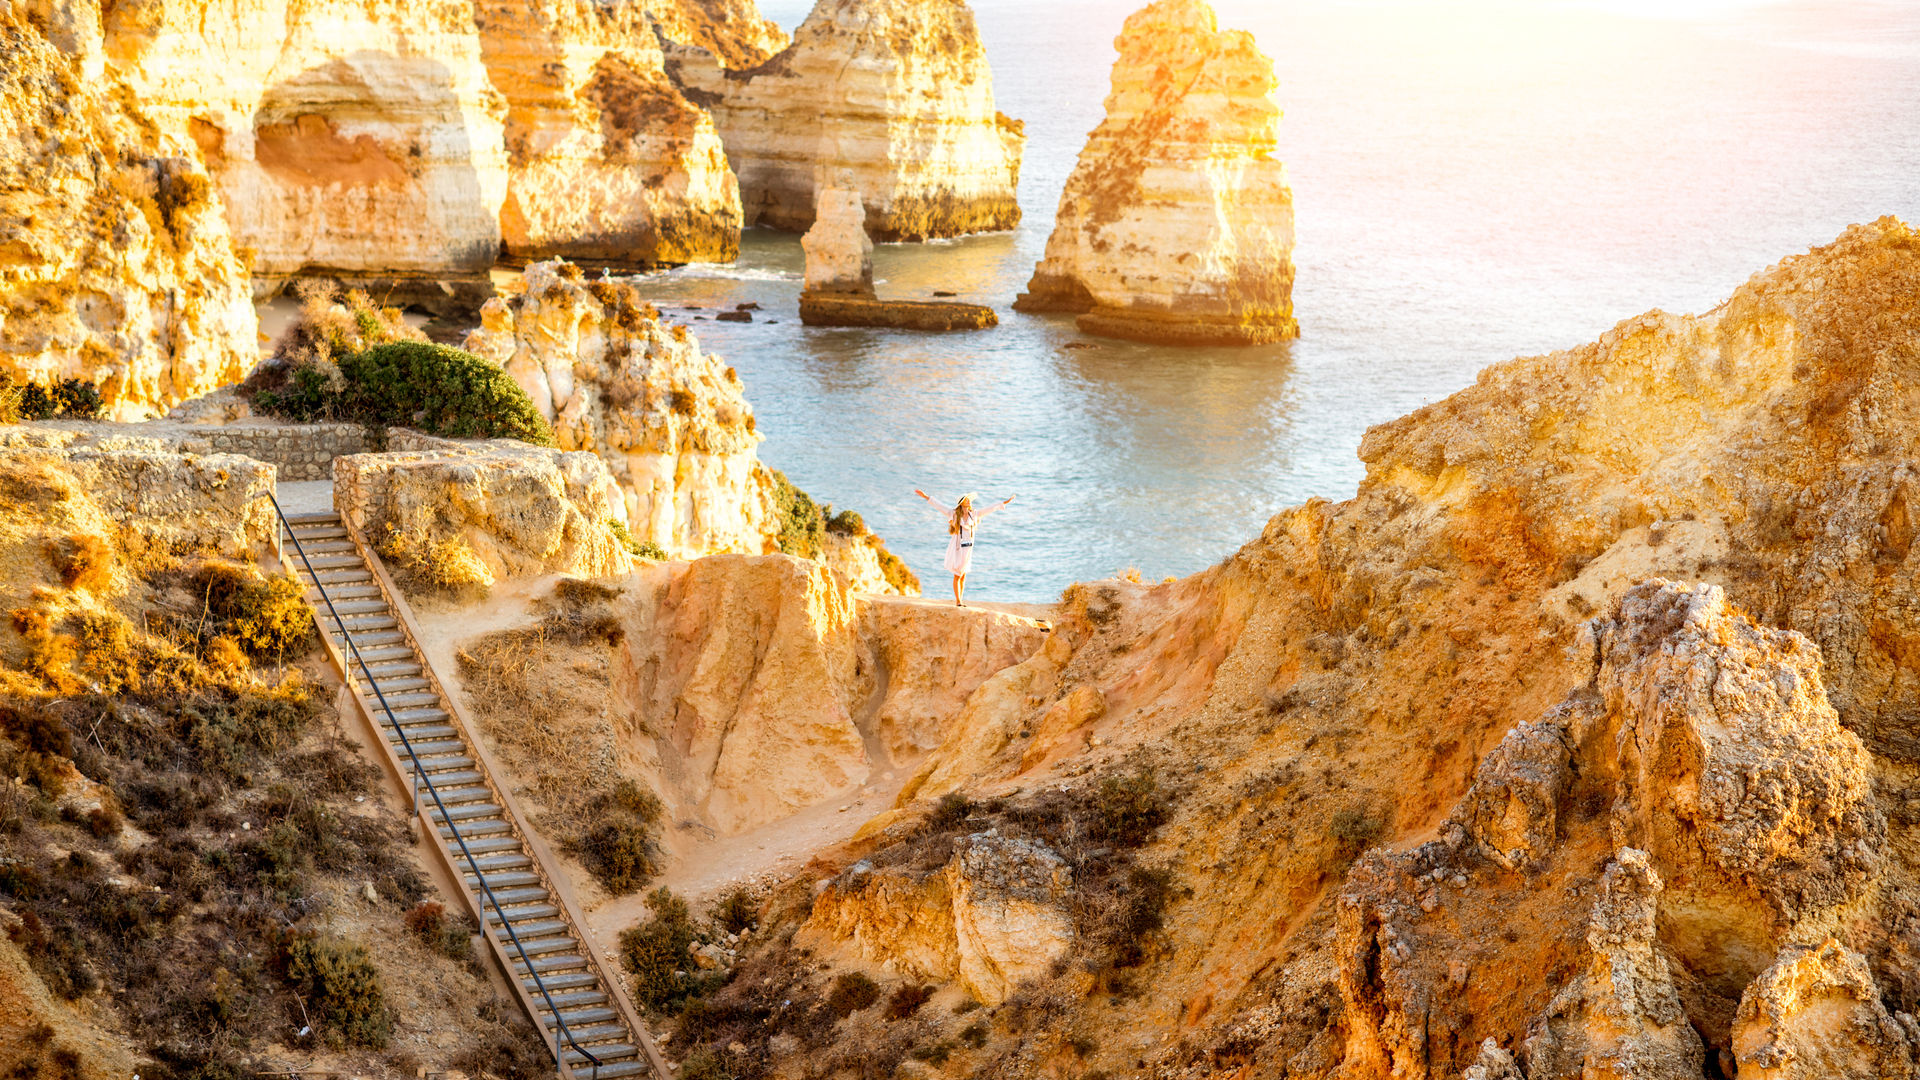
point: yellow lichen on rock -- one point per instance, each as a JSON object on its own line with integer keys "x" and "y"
{"x": 1176, "y": 225}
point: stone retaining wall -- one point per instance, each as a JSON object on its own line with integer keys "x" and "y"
{"x": 298, "y": 451}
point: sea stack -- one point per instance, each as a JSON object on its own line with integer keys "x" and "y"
{"x": 895, "y": 93}
{"x": 1176, "y": 226}
{"x": 839, "y": 253}
{"x": 839, "y": 288}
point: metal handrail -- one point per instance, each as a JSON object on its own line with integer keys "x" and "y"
{"x": 420, "y": 776}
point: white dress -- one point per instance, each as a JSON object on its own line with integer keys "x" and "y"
{"x": 960, "y": 545}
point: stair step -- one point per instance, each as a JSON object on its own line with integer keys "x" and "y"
{"x": 564, "y": 1000}
{"x": 381, "y": 652}
{"x": 608, "y": 1052}
{"x": 542, "y": 946}
{"x": 361, "y": 622}
{"x": 538, "y": 928}
{"x": 330, "y": 562}
{"x": 335, "y": 575}
{"x": 493, "y": 866}
{"x": 430, "y": 748}
{"x": 497, "y": 880}
{"x": 382, "y": 670}
{"x": 508, "y": 897}
{"x": 355, "y": 607}
{"x": 564, "y": 981}
{"x": 525, "y": 912}
{"x": 615, "y": 1069}
{"x": 585, "y": 1035}
{"x": 576, "y": 1017}
{"x": 483, "y": 845}
{"x": 437, "y": 764}
{"x": 409, "y": 716}
{"x": 456, "y": 796}
{"x": 462, "y": 776}
{"x": 392, "y": 686}
{"x": 320, "y": 531}
{"x": 465, "y": 812}
{"x": 410, "y": 701}
{"x": 326, "y": 545}
{"x": 313, "y": 517}
{"x": 544, "y": 964}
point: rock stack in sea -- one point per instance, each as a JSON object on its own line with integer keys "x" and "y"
{"x": 839, "y": 281}
{"x": 115, "y": 264}
{"x": 896, "y": 94}
{"x": 1176, "y": 226}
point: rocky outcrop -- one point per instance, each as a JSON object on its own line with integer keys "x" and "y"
{"x": 772, "y": 686}
{"x": 1176, "y": 225}
{"x": 115, "y": 264}
{"x": 992, "y": 917}
{"x": 894, "y": 94}
{"x": 483, "y": 511}
{"x": 1816, "y": 1013}
{"x": 731, "y": 30}
{"x": 609, "y": 161}
{"x": 1621, "y": 1016}
{"x": 670, "y": 421}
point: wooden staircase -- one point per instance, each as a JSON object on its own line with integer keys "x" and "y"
{"x": 512, "y": 885}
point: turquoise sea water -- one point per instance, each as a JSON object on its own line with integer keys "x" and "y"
{"x": 1473, "y": 181}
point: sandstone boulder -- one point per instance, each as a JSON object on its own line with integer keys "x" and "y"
{"x": 1176, "y": 225}
{"x": 993, "y": 916}
{"x": 1817, "y": 1013}
{"x": 895, "y": 95}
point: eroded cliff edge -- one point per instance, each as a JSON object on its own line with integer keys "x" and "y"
{"x": 1176, "y": 225}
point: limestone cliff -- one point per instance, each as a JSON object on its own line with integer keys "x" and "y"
{"x": 115, "y": 264}
{"x": 609, "y": 161}
{"x": 896, "y": 94}
{"x": 1176, "y": 225}
{"x": 344, "y": 137}
{"x": 1551, "y": 753}
{"x": 670, "y": 420}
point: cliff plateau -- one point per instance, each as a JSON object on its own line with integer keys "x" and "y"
{"x": 1176, "y": 225}
{"x": 895, "y": 94}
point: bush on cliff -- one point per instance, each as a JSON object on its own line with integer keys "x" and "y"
{"x": 441, "y": 390}
{"x": 803, "y": 525}
{"x": 659, "y": 953}
{"x": 64, "y": 399}
{"x": 342, "y": 987}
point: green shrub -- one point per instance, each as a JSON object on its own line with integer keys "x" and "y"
{"x": 844, "y": 523}
{"x": 1354, "y": 829}
{"x": 803, "y": 529}
{"x": 342, "y": 988}
{"x": 895, "y": 570}
{"x": 659, "y": 953}
{"x": 437, "y": 388}
{"x": 443, "y": 390}
{"x": 267, "y": 615}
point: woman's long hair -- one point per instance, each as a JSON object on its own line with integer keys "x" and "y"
{"x": 960, "y": 511}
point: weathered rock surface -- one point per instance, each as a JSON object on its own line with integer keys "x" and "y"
{"x": 115, "y": 264}
{"x": 1621, "y": 1016}
{"x": 669, "y": 420}
{"x": 994, "y": 915}
{"x": 732, "y": 30}
{"x": 1176, "y": 225}
{"x": 933, "y": 315}
{"x": 518, "y": 510}
{"x": 1816, "y": 1013}
{"x": 894, "y": 95}
{"x": 609, "y": 161}
{"x": 770, "y": 686}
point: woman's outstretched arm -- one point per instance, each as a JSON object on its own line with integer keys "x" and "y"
{"x": 931, "y": 501}
{"x": 996, "y": 506}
